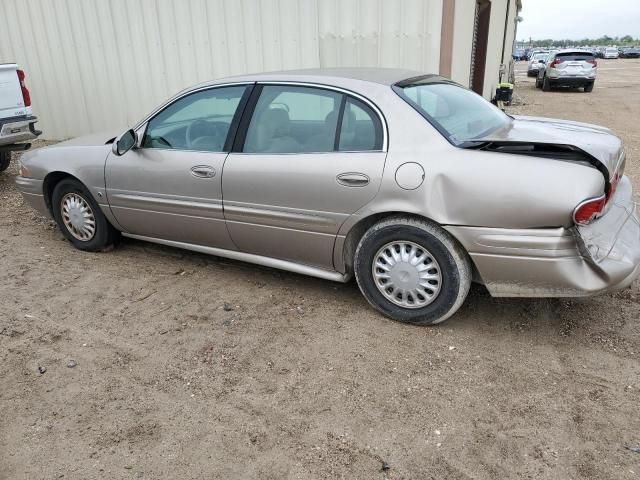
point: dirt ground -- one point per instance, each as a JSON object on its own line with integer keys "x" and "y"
{"x": 190, "y": 366}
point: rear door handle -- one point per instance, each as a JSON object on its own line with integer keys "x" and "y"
{"x": 353, "y": 179}
{"x": 203, "y": 171}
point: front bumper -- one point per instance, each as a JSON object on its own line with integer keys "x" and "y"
{"x": 32, "y": 191}
{"x": 560, "y": 262}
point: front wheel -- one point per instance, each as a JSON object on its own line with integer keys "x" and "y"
{"x": 5, "y": 160}
{"x": 80, "y": 218}
{"x": 412, "y": 271}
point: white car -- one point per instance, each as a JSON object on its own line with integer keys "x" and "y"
{"x": 568, "y": 68}
{"x": 611, "y": 53}
{"x": 537, "y": 61}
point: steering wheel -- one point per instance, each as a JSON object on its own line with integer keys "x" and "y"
{"x": 193, "y": 128}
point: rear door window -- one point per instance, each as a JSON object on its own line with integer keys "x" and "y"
{"x": 292, "y": 119}
{"x": 301, "y": 119}
{"x": 360, "y": 129}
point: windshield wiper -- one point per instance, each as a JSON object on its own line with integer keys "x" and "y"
{"x": 475, "y": 144}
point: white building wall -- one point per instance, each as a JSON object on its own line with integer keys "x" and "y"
{"x": 463, "y": 40}
{"x": 99, "y": 64}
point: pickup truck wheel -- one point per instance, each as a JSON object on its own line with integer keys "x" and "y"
{"x": 80, "y": 218}
{"x": 5, "y": 160}
{"x": 546, "y": 84}
{"x": 412, "y": 271}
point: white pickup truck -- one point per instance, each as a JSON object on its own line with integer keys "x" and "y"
{"x": 17, "y": 123}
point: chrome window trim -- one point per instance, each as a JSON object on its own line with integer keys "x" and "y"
{"x": 183, "y": 94}
{"x": 345, "y": 91}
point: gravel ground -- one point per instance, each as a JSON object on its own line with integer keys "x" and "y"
{"x": 190, "y": 366}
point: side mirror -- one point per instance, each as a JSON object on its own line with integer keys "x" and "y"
{"x": 124, "y": 142}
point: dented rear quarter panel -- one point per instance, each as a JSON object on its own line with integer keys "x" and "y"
{"x": 477, "y": 188}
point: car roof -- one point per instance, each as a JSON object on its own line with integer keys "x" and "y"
{"x": 381, "y": 76}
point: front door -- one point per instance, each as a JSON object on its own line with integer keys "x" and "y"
{"x": 311, "y": 157}
{"x": 171, "y": 186}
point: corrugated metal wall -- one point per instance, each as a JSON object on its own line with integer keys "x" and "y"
{"x": 97, "y": 64}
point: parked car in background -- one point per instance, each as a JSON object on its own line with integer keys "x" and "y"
{"x": 630, "y": 53}
{"x": 610, "y": 53}
{"x": 519, "y": 54}
{"x": 17, "y": 123}
{"x": 535, "y": 63}
{"x": 408, "y": 181}
{"x": 568, "y": 68}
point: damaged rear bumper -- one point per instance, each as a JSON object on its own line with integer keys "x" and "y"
{"x": 559, "y": 262}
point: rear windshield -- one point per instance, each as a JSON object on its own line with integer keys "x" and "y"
{"x": 457, "y": 113}
{"x": 539, "y": 56}
{"x": 574, "y": 56}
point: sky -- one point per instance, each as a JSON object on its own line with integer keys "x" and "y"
{"x": 577, "y": 19}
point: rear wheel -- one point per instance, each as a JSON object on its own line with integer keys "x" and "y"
{"x": 80, "y": 218}
{"x": 5, "y": 160}
{"x": 546, "y": 84}
{"x": 538, "y": 84}
{"x": 412, "y": 271}
{"x": 588, "y": 88}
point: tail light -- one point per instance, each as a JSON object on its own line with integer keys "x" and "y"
{"x": 555, "y": 62}
{"x": 589, "y": 210}
{"x": 593, "y": 62}
{"x": 26, "y": 97}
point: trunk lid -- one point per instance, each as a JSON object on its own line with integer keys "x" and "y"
{"x": 11, "y": 102}
{"x": 595, "y": 144}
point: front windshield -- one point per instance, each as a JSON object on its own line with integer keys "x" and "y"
{"x": 459, "y": 114}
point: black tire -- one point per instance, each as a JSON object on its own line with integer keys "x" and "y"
{"x": 538, "y": 84}
{"x": 453, "y": 261}
{"x": 104, "y": 234}
{"x": 546, "y": 84}
{"x": 5, "y": 160}
{"x": 588, "y": 88}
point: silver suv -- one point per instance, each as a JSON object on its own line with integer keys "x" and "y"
{"x": 568, "y": 68}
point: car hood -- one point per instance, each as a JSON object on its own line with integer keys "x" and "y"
{"x": 598, "y": 142}
{"x": 93, "y": 139}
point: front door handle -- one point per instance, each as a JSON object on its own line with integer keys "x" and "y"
{"x": 203, "y": 171}
{"x": 353, "y": 179}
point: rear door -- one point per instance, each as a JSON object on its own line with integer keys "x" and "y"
{"x": 11, "y": 102}
{"x": 306, "y": 158}
{"x": 170, "y": 187}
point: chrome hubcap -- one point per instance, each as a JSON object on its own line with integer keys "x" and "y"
{"x": 406, "y": 274}
{"x": 78, "y": 217}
